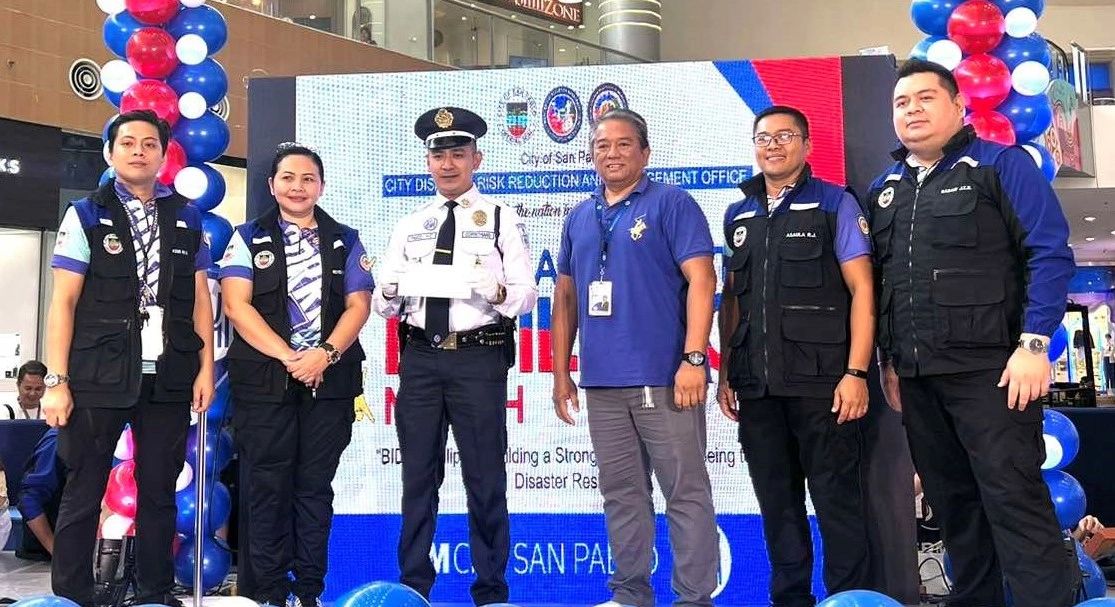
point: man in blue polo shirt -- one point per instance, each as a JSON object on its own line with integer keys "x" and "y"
{"x": 796, "y": 326}
{"x": 636, "y": 279}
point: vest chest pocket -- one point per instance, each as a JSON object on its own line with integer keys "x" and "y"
{"x": 814, "y": 342}
{"x": 420, "y": 246}
{"x": 99, "y": 355}
{"x": 969, "y": 309}
{"x": 954, "y": 221}
{"x": 882, "y": 230}
{"x": 740, "y": 362}
{"x": 183, "y": 254}
{"x": 266, "y": 295}
{"x": 738, "y": 267}
{"x": 800, "y": 263}
{"x": 883, "y": 305}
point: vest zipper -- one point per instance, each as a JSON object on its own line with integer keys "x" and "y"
{"x": 763, "y": 307}
{"x": 811, "y": 308}
{"x": 910, "y": 268}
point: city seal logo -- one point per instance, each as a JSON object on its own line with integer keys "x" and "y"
{"x": 264, "y": 259}
{"x": 863, "y": 225}
{"x": 604, "y": 98}
{"x": 430, "y": 223}
{"x": 112, "y": 244}
{"x": 515, "y": 109}
{"x": 562, "y": 114}
{"x": 886, "y": 197}
{"x": 443, "y": 119}
{"x": 739, "y": 237}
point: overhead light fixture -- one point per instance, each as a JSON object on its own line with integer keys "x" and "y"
{"x": 551, "y": 27}
{"x": 1089, "y": 218}
{"x": 581, "y": 26}
{"x": 312, "y": 17}
{"x": 1090, "y": 238}
{"x": 561, "y": 50}
{"x": 1113, "y": 232}
{"x": 570, "y": 27}
{"x": 464, "y": 18}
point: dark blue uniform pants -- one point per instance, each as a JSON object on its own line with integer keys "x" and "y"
{"x": 85, "y": 445}
{"x": 980, "y": 464}
{"x": 289, "y": 453}
{"x": 790, "y": 440}
{"x": 467, "y": 389}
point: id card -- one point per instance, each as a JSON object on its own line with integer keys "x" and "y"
{"x": 151, "y": 335}
{"x": 600, "y": 298}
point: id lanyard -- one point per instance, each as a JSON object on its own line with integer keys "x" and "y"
{"x": 146, "y": 295}
{"x": 606, "y": 233}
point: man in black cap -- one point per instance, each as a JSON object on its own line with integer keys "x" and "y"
{"x": 456, "y": 351}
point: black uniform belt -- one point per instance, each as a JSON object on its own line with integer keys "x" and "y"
{"x": 488, "y": 335}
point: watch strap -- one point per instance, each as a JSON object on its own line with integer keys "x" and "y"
{"x": 860, "y": 373}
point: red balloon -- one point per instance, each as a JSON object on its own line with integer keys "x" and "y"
{"x": 150, "y": 52}
{"x": 174, "y": 161}
{"x": 120, "y": 494}
{"x": 984, "y": 81}
{"x": 151, "y": 95}
{"x": 152, "y": 12}
{"x": 992, "y": 126}
{"x": 977, "y": 26}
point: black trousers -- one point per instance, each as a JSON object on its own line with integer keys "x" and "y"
{"x": 790, "y": 440}
{"x": 85, "y": 445}
{"x": 465, "y": 389}
{"x": 980, "y": 466}
{"x": 288, "y": 454}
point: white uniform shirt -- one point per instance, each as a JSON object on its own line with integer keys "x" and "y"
{"x": 415, "y": 238}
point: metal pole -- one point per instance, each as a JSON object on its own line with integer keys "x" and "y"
{"x": 199, "y": 518}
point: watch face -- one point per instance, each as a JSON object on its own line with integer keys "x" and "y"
{"x": 695, "y": 358}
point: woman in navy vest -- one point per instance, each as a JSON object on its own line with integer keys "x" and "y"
{"x": 297, "y": 287}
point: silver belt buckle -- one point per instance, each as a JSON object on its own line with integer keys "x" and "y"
{"x": 450, "y": 342}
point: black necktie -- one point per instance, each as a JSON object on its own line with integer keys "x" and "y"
{"x": 437, "y": 308}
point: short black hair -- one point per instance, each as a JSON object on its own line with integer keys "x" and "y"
{"x": 31, "y": 367}
{"x": 630, "y": 117}
{"x": 291, "y": 148}
{"x": 774, "y": 110}
{"x": 140, "y": 116}
{"x": 918, "y": 66}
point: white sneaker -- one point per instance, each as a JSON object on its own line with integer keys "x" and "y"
{"x": 612, "y": 604}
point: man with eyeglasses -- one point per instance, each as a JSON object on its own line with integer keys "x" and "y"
{"x": 797, "y": 324}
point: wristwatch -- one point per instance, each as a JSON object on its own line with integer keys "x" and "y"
{"x": 860, "y": 373}
{"x": 695, "y": 358}
{"x": 332, "y": 353}
{"x": 52, "y": 380}
{"x": 1034, "y": 345}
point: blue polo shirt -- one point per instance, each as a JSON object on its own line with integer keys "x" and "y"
{"x": 658, "y": 228}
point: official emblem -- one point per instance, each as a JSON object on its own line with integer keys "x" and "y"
{"x": 443, "y": 118}
{"x": 604, "y": 98}
{"x": 515, "y": 109}
{"x": 638, "y": 229}
{"x": 886, "y": 197}
{"x": 429, "y": 224}
{"x": 264, "y": 259}
{"x": 562, "y": 114}
{"x": 365, "y": 263}
{"x": 465, "y": 203}
{"x": 480, "y": 218}
{"x": 739, "y": 237}
{"x": 863, "y": 225}
{"x": 112, "y": 244}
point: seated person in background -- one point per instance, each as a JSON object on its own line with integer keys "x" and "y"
{"x": 44, "y": 476}
{"x": 29, "y": 381}
{"x": 1086, "y": 528}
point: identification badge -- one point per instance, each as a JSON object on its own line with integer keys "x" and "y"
{"x": 600, "y": 298}
{"x": 151, "y": 335}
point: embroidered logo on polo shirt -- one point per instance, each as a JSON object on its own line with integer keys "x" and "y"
{"x": 863, "y": 226}
{"x": 430, "y": 223}
{"x": 739, "y": 236}
{"x": 638, "y": 229}
{"x": 264, "y": 259}
{"x": 886, "y": 197}
{"x": 112, "y": 244}
{"x": 365, "y": 263}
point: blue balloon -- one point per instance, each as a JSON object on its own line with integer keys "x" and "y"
{"x": 106, "y": 177}
{"x": 1029, "y": 115}
{"x": 218, "y": 231}
{"x": 1058, "y": 427}
{"x": 1069, "y": 502}
{"x": 1049, "y": 170}
{"x": 932, "y": 16}
{"x": 214, "y": 195}
{"x": 220, "y": 410}
{"x": 1104, "y": 602}
{"x": 921, "y": 49}
{"x": 45, "y": 600}
{"x": 218, "y": 450}
{"x": 218, "y": 506}
{"x": 1006, "y": 6}
{"x": 1060, "y": 340}
{"x": 205, "y": 21}
{"x": 118, "y": 28}
{"x": 207, "y": 78}
{"x": 1095, "y": 583}
{"x": 113, "y": 98}
{"x": 382, "y": 594}
{"x": 204, "y": 139}
{"x": 216, "y": 558}
{"x": 859, "y": 598}
{"x": 1013, "y": 51}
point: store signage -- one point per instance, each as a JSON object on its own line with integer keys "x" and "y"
{"x": 565, "y": 12}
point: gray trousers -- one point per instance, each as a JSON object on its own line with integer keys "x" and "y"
{"x": 631, "y": 439}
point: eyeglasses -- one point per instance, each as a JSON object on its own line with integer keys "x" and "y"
{"x": 783, "y": 138}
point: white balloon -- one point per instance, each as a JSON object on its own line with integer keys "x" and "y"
{"x": 116, "y": 526}
{"x": 106, "y": 154}
{"x": 1033, "y": 152}
{"x": 1021, "y": 22}
{"x": 111, "y": 6}
{"x": 1053, "y": 453}
{"x": 192, "y": 105}
{"x": 184, "y": 477}
{"x": 1030, "y": 78}
{"x": 191, "y": 49}
{"x": 192, "y": 3}
{"x": 946, "y": 53}
{"x": 191, "y": 182}
{"x": 124, "y": 446}
{"x": 117, "y": 76}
